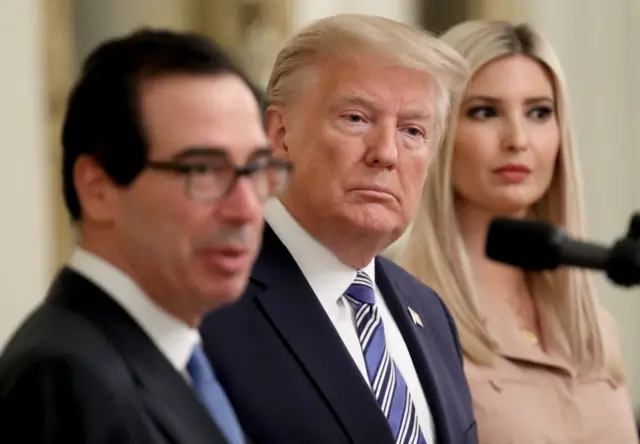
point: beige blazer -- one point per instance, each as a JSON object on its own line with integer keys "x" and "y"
{"x": 531, "y": 397}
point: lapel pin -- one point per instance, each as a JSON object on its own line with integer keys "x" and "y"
{"x": 415, "y": 317}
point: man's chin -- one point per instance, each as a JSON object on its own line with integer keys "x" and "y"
{"x": 224, "y": 290}
{"x": 376, "y": 221}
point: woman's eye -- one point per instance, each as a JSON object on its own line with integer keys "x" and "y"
{"x": 541, "y": 112}
{"x": 481, "y": 112}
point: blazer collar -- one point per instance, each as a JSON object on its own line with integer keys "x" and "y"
{"x": 164, "y": 391}
{"x": 514, "y": 344}
{"x": 289, "y": 302}
{"x": 421, "y": 339}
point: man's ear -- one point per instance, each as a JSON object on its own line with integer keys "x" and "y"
{"x": 276, "y": 129}
{"x": 97, "y": 193}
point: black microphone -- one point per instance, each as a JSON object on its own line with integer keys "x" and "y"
{"x": 536, "y": 245}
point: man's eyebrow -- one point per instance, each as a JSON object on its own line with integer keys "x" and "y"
{"x": 218, "y": 152}
{"x": 201, "y": 151}
{"x": 356, "y": 99}
{"x": 359, "y": 100}
{"x": 417, "y": 115}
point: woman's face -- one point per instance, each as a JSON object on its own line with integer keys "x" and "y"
{"x": 508, "y": 137}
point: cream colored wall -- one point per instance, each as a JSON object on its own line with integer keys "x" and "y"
{"x": 308, "y": 10}
{"x": 25, "y": 225}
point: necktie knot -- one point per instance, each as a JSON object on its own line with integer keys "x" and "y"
{"x": 199, "y": 368}
{"x": 361, "y": 290}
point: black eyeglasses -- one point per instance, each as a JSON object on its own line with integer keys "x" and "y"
{"x": 210, "y": 180}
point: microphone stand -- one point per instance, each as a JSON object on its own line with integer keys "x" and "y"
{"x": 623, "y": 266}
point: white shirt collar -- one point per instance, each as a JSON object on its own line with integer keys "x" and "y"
{"x": 175, "y": 339}
{"x": 328, "y": 277}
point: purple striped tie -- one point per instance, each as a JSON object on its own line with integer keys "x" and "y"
{"x": 387, "y": 383}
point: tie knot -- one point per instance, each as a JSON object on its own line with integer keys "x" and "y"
{"x": 198, "y": 366}
{"x": 362, "y": 289}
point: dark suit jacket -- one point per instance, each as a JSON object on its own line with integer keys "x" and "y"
{"x": 80, "y": 370}
{"x": 292, "y": 380}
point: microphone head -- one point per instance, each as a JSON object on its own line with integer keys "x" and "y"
{"x": 634, "y": 227}
{"x": 526, "y": 244}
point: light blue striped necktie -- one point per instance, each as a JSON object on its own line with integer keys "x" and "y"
{"x": 213, "y": 396}
{"x": 387, "y": 383}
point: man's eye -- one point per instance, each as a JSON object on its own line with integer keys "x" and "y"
{"x": 481, "y": 112}
{"x": 354, "y": 118}
{"x": 261, "y": 162}
{"x": 201, "y": 168}
{"x": 415, "y": 132}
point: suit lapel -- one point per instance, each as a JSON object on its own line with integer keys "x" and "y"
{"x": 299, "y": 318}
{"x": 165, "y": 393}
{"x": 419, "y": 341}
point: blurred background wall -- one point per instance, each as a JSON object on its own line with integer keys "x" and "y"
{"x": 26, "y": 224}
{"x": 44, "y": 41}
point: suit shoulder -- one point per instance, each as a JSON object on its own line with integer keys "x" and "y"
{"x": 58, "y": 368}
{"x": 402, "y": 278}
{"x": 53, "y": 393}
{"x": 53, "y": 336}
{"x": 412, "y": 285}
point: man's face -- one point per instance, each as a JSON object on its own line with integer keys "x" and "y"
{"x": 200, "y": 251}
{"x": 358, "y": 136}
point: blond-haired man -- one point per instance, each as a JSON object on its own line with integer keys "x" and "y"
{"x": 332, "y": 343}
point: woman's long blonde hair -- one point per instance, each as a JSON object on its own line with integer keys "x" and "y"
{"x": 434, "y": 251}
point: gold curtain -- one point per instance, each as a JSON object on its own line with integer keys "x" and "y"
{"x": 253, "y": 30}
{"x": 513, "y": 10}
{"x": 58, "y": 66}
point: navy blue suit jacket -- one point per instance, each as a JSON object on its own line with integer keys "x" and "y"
{"x": 292, "y": 380}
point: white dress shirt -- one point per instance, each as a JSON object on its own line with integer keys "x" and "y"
{"x": 175, "y": 339}
{"x": 329, "y": 278}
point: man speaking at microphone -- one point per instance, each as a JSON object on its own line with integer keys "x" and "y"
{"x": 332, "y": 343}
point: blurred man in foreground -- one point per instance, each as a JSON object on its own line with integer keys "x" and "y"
{"x": 166, "y": 169}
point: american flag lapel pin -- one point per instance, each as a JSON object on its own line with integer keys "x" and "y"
{"x": 415, "y": 317}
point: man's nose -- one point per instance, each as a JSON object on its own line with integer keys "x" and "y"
{"x": 383, "y": 147}
{"x": 242, "y": 204}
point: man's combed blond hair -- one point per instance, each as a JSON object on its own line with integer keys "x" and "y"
{"x": 434, "y": 250}
{"x": 350, "y": 34}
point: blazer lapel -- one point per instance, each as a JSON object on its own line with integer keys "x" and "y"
{"x": 164, "y": 391}
{"x": 296, "y": 313}
{"x": 419, "y": 341}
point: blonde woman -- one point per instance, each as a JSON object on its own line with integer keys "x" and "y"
{"x": 541, "y": 355}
